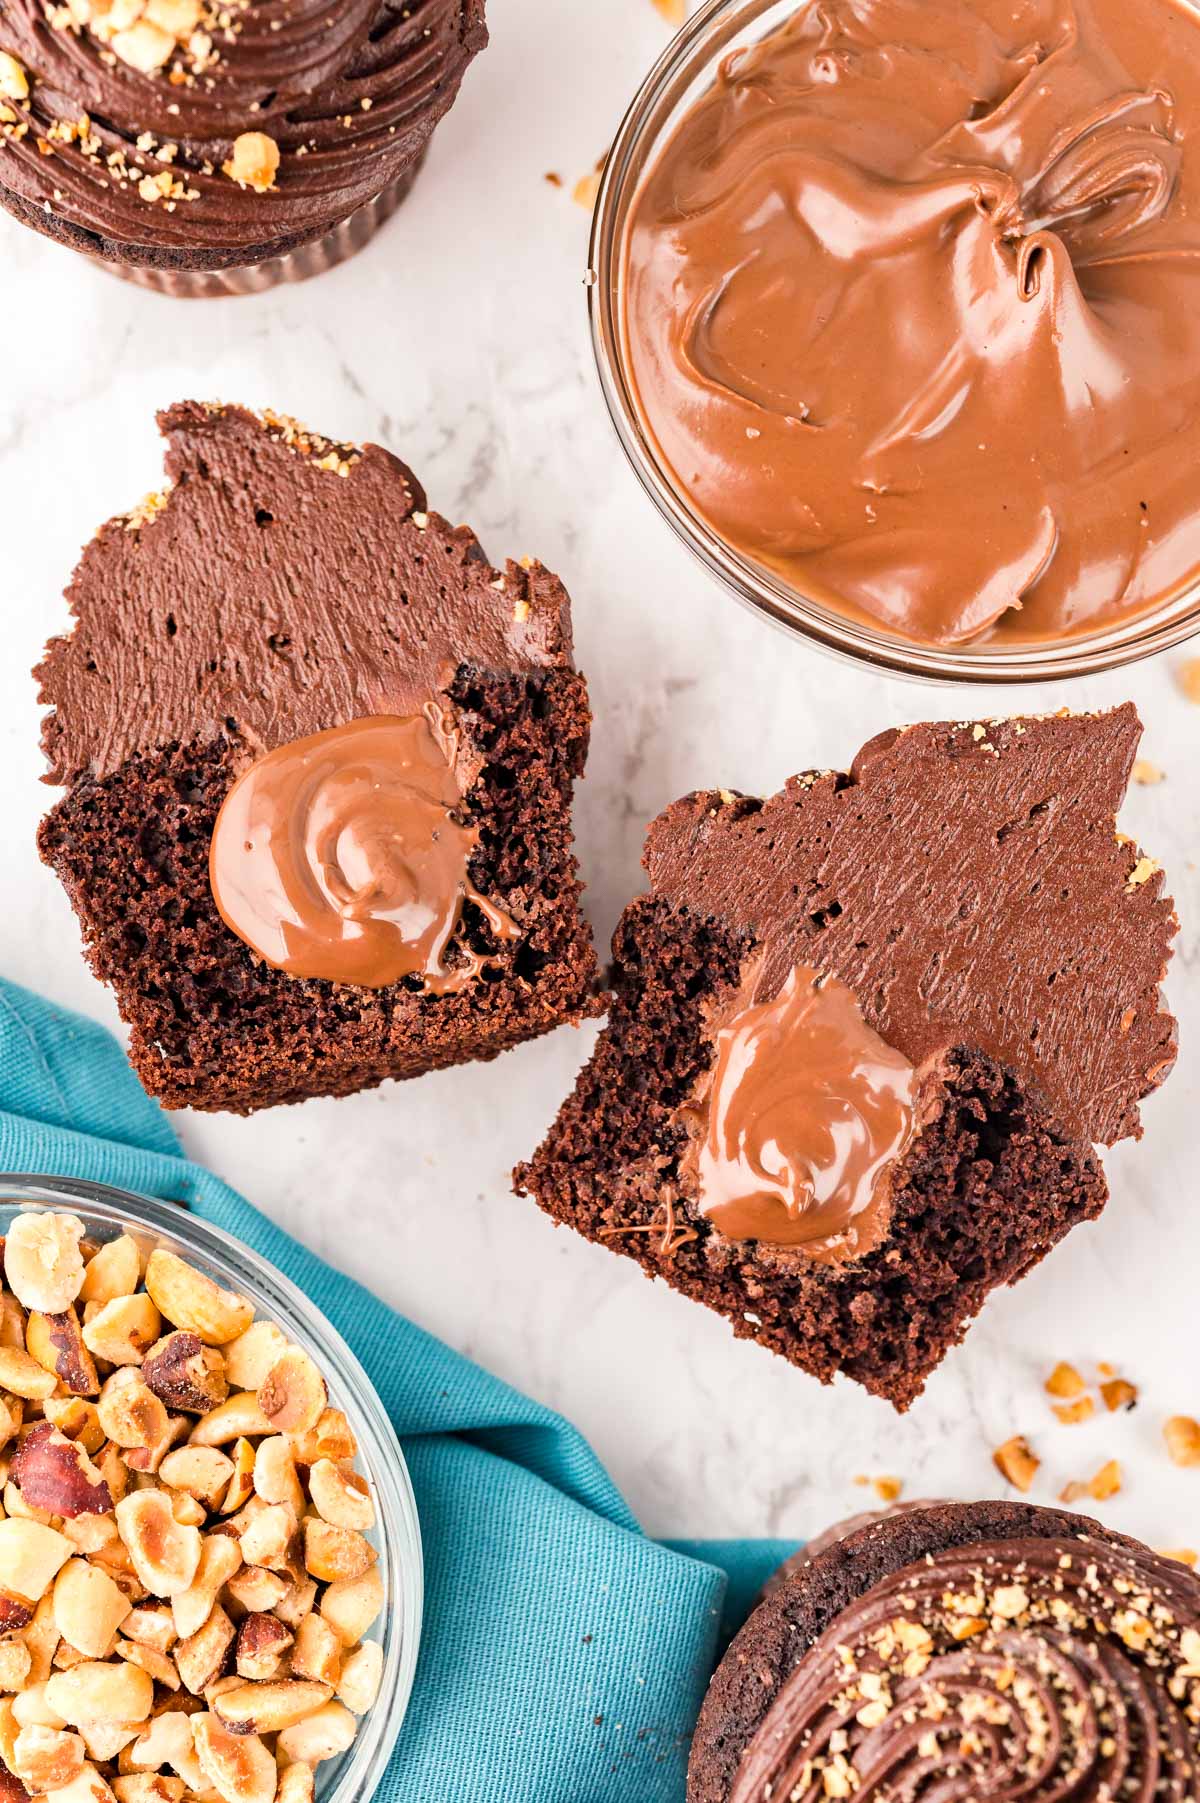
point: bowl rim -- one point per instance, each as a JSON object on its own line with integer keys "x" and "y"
{"x": 687, "y": 60}
{"x": 357, "y": 1773}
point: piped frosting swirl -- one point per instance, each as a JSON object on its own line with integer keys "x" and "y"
{"x": 1046, "y": 1670}
{"x": 133, "y": 149}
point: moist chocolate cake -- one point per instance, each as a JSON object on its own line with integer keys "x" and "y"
{"x": 318, "y": 758}
{"x": 865, "y": 1035}
{"x": 970, "y": 1652}
{"x": 206, "y": 135}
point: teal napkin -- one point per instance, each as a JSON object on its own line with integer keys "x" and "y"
{"x": 564, "y": 1654}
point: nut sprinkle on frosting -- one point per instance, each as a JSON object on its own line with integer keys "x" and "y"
{"x": 1031, "y": 1668}
{"x": 271, "y": 119}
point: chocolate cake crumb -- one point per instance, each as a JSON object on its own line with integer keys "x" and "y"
{"x": 972, "y": 894}
{"x": 284, "y": 588}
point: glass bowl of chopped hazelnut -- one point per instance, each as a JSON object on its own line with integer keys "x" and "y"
{"x": 210, "y": 1559}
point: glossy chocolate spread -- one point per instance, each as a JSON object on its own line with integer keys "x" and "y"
{"x": 805, "y": 1111}
{"x": 913, "y": 310}
{"x": 339, "y": 855}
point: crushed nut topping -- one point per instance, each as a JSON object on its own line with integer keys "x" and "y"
{"x": 1102, "y": 1487}
{"x": 14, "y": 83}
{"x": 1182, "y": 1435}
{"x": 1066, "y": 1382}
{"x": 185, "y": 1578}
{"x": 588, "y": 186}
{"x": 1016, "y": 1461}
{"x": 254, "y": 163}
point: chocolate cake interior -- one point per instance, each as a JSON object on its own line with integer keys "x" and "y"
{"x": 325, "y": 598}
{"x": 987, "y": 920}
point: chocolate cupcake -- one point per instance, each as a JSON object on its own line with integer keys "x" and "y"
{"x": 318, "y": 757}
{"x": 865, "y": 1036}
{"x": 220, "y": 146}
{"x": 970, "y": 1653}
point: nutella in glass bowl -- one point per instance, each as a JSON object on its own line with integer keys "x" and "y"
{"x": 897, "y": 309}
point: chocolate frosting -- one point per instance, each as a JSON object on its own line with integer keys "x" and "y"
{"x": 349, "y": 93}
{"x": 340, "y": 856}
{"x": 911, "y": 308}
{"x": 967, "y": 884}
{"x": 330, "y": 591}
{"x": 800, "y": 1120}
{"x": 1042, "y": 1669}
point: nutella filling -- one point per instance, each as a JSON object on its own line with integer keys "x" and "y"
{"x": 340, "y": 856}
{"x": 807, "y": 1111}
{"x": 1040, "y": 1670}
{"x": 912, "y": 308}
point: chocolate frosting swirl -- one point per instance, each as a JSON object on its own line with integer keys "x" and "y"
{"x": 349, "y": 93}
{"x": 1060, "y": 1670}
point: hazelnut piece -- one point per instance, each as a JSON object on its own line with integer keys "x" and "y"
{"x": 55, "y": 1474}
{"x": 115, "y": 1270}
{"x": 165, "y": 1553}
{"x": 186, "y": 1374}
{"x": 340, "y": 1497}
{"x": 262, "y": 1640}
{"x": 253, "y": 164}
{"x": 88, "y": 1608}
{"x": 56, "y": 1342}
{"x": 43, "y": 1262}
{"x": 194, "y": 1302}
{"x": 238, "y": 1766}
{"x": 292, "y": 1395}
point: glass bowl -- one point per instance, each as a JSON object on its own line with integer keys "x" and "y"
{"x": 106, "y": 1213}
{"x": 685, "y": 69}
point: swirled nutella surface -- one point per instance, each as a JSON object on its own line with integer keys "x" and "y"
{"x": 913, "y": 310}
{"x": 1039, "y": 1669}
{"x": 339, "y": 856}
{"x": 134, "y": 106}
{"x": 806, "y": 1109}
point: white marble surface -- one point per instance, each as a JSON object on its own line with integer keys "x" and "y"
{"x": 459, "y": 338}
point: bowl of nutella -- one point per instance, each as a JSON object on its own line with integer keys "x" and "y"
{"x": 896, "y": 307}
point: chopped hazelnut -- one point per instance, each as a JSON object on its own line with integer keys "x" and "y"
{"x": 146, "y": 1661}
{"x": 1189, "y": 678}
{"x": 144, "y": 46}
{"x": 254, "y": 164}
{"x": 1118, "y": 1394}
{"x": 42, "y": 1261}
{"x": 1065, "y": 1382}
{"x": 14, "y": 83}
{"x": 1182, "y": 1435}
{"x": 1071, "y": 1413}
{"x": 1016, "y": 1461}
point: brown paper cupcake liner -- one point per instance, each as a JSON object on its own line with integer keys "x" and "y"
{"x": 338, "y": 244}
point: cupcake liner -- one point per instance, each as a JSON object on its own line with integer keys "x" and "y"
{"x": 338, "y": 244}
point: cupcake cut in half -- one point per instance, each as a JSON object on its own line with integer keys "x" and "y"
{"x": 864, "y": 1036}
{"x": 176, "y": 139}
{"x": 318, "y": 758}
{"x": 961, "y": 1652}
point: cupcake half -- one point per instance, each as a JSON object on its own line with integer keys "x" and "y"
{"x": 318, "y": 758}
{"x": 865, "y": 1036}
{"x": 220, "y": 146}
{"x": 964, "y": 1653}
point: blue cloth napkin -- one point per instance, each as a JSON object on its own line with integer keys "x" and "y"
{"x": 564, "y": 1654}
